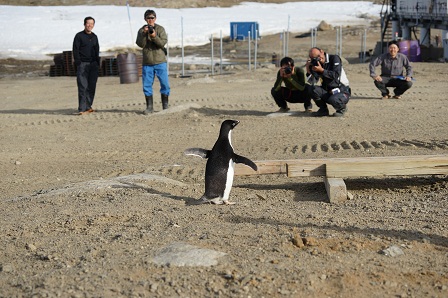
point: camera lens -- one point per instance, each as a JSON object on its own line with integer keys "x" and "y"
{"x": 288, "y": 70}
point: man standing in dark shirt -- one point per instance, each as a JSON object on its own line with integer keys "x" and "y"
{"x": 86, "y": 53}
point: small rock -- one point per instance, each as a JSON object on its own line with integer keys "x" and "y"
{"x": 6, "y": 268}
{"x": 349, "y": 196}
{"x": 309, "y": 241}
{"x": 393, "y": 251}
{"x": 30, "y": 246}
{"x": 297, "y": 241}
{"x": 324, "y": 26}
{"x": 153, "y": 287}
{"x": 17, "y": 163}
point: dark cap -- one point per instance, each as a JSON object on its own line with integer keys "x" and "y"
{"x": 150, "y": 12}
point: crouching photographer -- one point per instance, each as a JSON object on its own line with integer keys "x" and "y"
{"x": 290, "y": 86}
{"x": 329, "y": 84}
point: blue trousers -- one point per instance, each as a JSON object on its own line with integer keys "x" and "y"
{"x": 148, "y": 74}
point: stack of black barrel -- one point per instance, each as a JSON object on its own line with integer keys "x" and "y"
{"x": 64, "y": 65}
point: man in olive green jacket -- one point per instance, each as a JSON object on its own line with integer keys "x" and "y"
{"x": 152, "y": 39}
{"x": 295, "y": 89}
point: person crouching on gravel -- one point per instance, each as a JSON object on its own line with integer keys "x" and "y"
{"x": 392, "y": 64}
{"x": 295, "y": 90}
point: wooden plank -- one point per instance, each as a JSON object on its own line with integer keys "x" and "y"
{"x": 336, "y": 189}
{"x": 301, "y": 167}
{"x": 264, "y": 167}
{"x": 389, "y": 166}
{"x": 351, "y": 167}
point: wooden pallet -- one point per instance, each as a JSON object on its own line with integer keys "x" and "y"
{"x": 335, "y": 169}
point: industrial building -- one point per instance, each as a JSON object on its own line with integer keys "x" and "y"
{"x": 411, "y": 23}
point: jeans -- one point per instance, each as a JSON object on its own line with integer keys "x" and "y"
{"x": 87, "y": 76}
{"x": 159, "y": 70}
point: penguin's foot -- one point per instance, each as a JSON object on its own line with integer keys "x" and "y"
{"x": 228, "y": 203}
{"x": 215, "y": 201}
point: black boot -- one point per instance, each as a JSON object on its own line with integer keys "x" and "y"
{"x": 149, "y": 108}
{"x": 164, "y": 101}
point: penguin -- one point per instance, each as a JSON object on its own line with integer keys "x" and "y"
{"x": 219, "y": 170}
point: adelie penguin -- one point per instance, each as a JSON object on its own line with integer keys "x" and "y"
{"x": 219, "y": 170}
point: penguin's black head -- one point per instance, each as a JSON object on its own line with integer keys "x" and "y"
{"x": 228, "y": 125}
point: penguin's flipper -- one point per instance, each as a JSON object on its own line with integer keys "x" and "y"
{"x": 203, "y": 153}
{"x": 244, "y": 160}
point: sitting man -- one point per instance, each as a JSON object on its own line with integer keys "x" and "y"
{"x": 334, "y": 86}
{"x": 295, "y": 89}
{"x": 392, "y": 65}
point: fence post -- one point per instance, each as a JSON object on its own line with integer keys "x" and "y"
{"x": 248, "y": 39}
{"x": 212, "y": 66}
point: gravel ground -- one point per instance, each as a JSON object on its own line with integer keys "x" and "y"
{"x": 90, "y": 204}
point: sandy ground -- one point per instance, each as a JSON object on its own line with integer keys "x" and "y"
{"x": 87, "y": 202}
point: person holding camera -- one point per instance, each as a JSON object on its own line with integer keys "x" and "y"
{"x": 152, "y": 38}
{"x": 295, "y": 89}
{"x": 86, "y": 53}
{"x": 392, "y": 64}
{"x": 334, "y": 87}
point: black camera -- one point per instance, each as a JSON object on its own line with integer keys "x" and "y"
{"x": 150, "y": 29}
{"x": 315, "y": 61}
{"x": 287, "y": 70}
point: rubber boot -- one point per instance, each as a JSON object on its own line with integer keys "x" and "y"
{"x": 149, "y": 105}
{"x": 164, "y": 101}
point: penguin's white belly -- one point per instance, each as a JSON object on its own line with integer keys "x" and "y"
{"x": 229, "y": 180}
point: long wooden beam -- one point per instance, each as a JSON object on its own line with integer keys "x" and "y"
{"x": 351, "y": 167}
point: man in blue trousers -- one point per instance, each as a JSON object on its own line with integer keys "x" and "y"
{"x": 152, "y": 39}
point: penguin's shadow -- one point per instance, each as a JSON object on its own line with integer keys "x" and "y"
{"x": 153, "y": 191}
{"x": 303, "y": 192}
{"x": 316, "y": 192}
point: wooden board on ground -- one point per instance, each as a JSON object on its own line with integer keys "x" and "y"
{"x": 352, "y": 167}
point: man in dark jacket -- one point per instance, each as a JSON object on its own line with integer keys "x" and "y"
{"x": 152, "y": 39}
{"x": 329, "y": 82}
{"x": 295, "y": 89}
{"x": 86, "y": 53}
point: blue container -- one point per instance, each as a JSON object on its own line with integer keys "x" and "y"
{"x": 240, "y": 30}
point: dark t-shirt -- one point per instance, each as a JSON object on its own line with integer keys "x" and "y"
{"x": 86, "y": 48}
